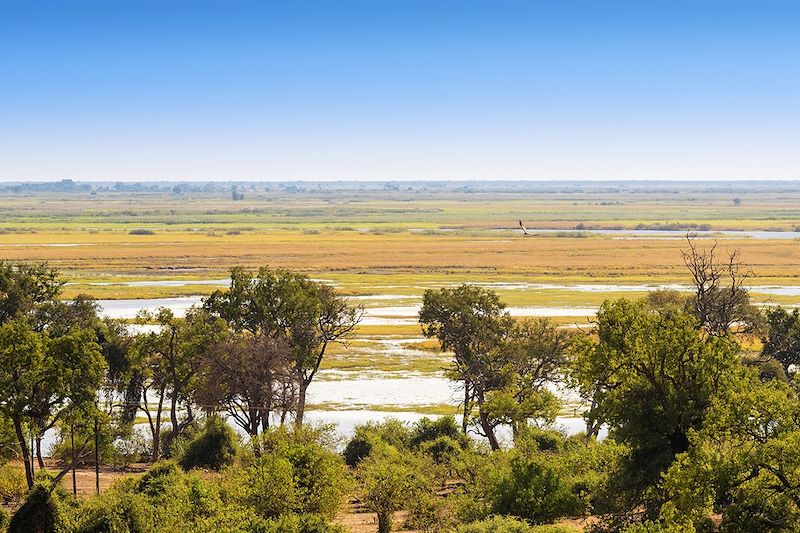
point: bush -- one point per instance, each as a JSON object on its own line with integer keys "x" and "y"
{"x": 116, "y": 511}
{"x": 12, "y": 484}
{"x": 158, "y": 479}
{"x": 534, "y": 492}
{"x": 42, "y": 512}
{"x": 388, "y": 484}
{"x": 320, "y": 479}
{"x": 214, "y": 447}
{"x": 141, "y": 231}
{"x": 391, "y": 432}
{"x": 4, "y": 518}
{"x": 545, "y": 440}
{"x": 504, "y": 524}
{"x": 292, "y": 523}
{"x": 442, "y": 450}
{"x": 429, "y": 513}
{"x": 426, "y": 430}
{"x": 496, "y": 524}
{"x": 266, "y": 485}
{"x": 172, "y": 445}
{"x": 357, "y": 449}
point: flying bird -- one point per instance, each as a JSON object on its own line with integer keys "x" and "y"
{"x": 524, "y": 229}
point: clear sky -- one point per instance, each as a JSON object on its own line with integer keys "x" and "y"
{"x": 399, "y": 89}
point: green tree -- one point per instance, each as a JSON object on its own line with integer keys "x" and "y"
{"x": 782, "y": 339}
{"x": 744, "y": 463}
{"x": 43, "y": 379}
{"x": 651, "y": 376}
{"x": 469, "y": 321}
{"x": 388, "y": 484}
{"x": 306, "y": 315}
{"x": 169, "y": 360}
{"x": 25, "y": 288}
{"x": 534, "y": 352}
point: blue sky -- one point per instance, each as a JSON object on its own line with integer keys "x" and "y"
{"x": 399, "y": 89}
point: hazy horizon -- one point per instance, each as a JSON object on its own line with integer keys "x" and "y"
{"x": 417, "y": 90}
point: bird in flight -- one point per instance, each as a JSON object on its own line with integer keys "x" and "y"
{"x": 524, "y": 229}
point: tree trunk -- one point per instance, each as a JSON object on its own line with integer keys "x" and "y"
{"x": 384, "y": 522}
{"x": 39, "y": 457}
{"x": 465, "y": 419}
{"x": 74, "y": 460}
{"x": 301, "y": 402}
{"x": 157, "y": 427}
{"x": 173, "y": 413}
{"x": 96, "y": 456}
{"x": 486, "y": 426}
{"x": 23, "y": 446}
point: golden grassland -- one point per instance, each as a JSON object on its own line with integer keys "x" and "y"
{"x": 388, "y": 243}
{"x": 396, "y": 260}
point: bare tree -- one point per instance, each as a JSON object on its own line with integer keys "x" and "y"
{"x": 248, "y": 376}
{"x": 721, "y": 301}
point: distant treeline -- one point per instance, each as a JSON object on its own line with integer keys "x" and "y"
{"x": 454, "y": 186}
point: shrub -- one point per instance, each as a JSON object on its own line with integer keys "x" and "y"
{"x": 320, "y": 479}
{"x": 292, "y": 523}
{"x": 496, "y": 524}
{"x": 116, "y": 511}
{"x": 214, "y": 447}
{"x": 389, "y": 484}
{"x": 505, "y": 524}
{"x": 41, "y": 512}
{"x": 172, "y": 445}
{"x": 391, "y": 432}
{"x": 534, "y": 492}
{"x": 545, "y": 440}
{"x": 426, "y": 430}
{"x": 12, "y": 484}
{"x": 428, "y": 513}
{"x": 357, "y": 449}
{"x": 141, "y": 231}
{"x": 266, "y": 485}
{"x": 158, "y": 479}
{"x": 442, "y": 450}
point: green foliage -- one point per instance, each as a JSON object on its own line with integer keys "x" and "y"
{"x": 42, "y": 512}
{"x": 116, "y": 511}
{"x": 782, "y": 339}
{"x": 215, "y": 447}
{"x": 427, "y": 430}
{"x": 320, "y": 479}
{"x": 25, "y": 287}
{"x": 358, "y": 448}
{"x": 9, "y": 447}
{"x": 443, "y": 450}
{"x": 294, "y": 473}
{"x": 12, "y": 483}
{"x": 390, "y": 482}
{"x": 505, "y": 524}
{"x": 172, "y": 445}
{"x": 390, "y": 432}
{"x": 535, "y": 492}
{"x": 744, "y": 462}
{"x": 168, "y": 499}
{"x": 651, "y": 377}
{"x": 266, "y": 485}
